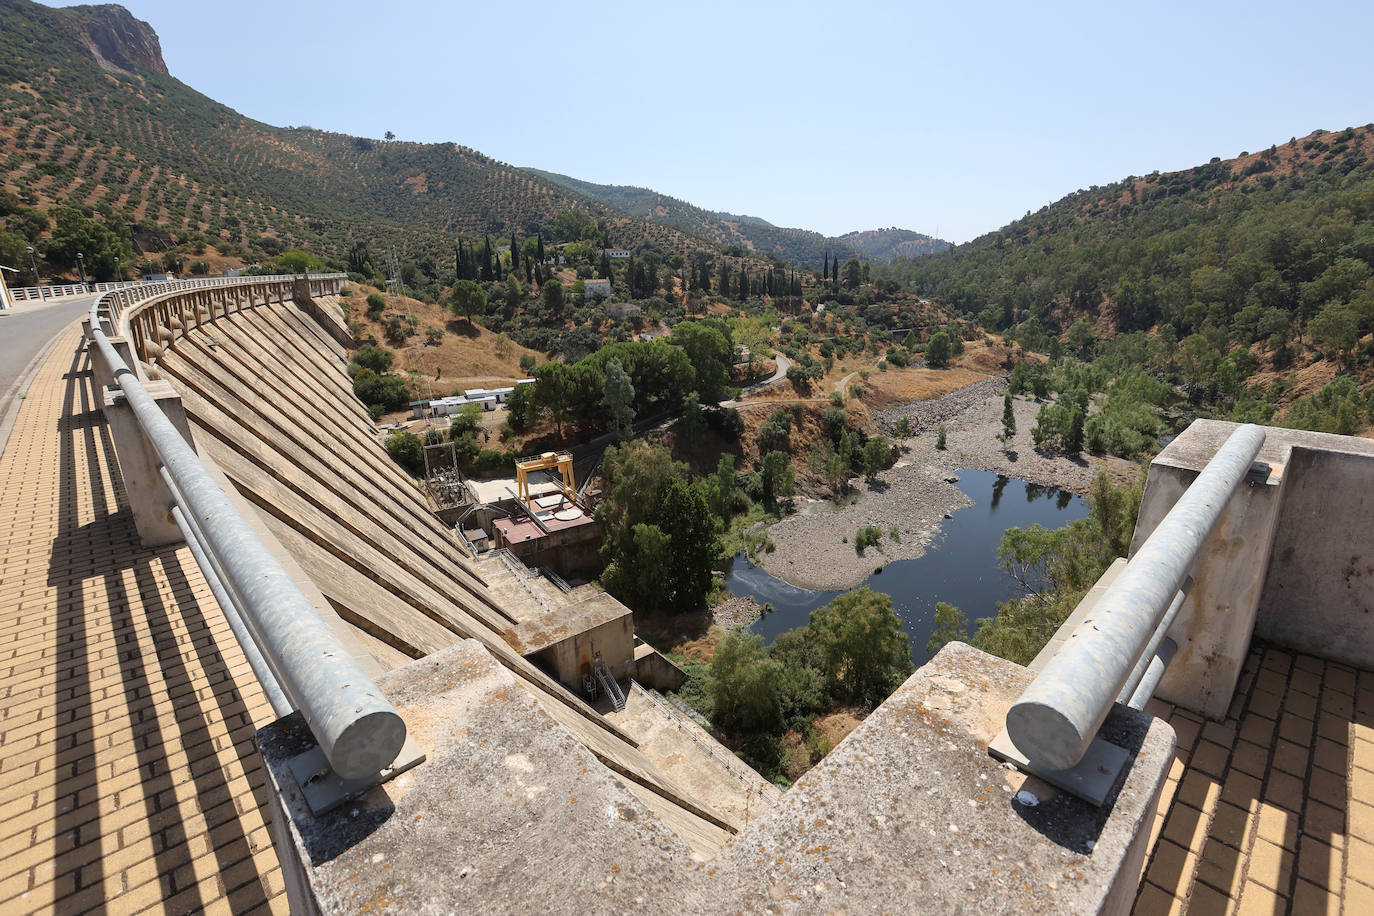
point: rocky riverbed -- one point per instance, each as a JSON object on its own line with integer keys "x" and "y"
{"x": 815, "y": 548}
{"x": 735, "y": 611}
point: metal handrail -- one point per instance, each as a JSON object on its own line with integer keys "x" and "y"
{"x": 1061, "y": 711}
{"x": 357, "y": 728}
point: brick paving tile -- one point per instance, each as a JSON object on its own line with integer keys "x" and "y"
{"x": 128, "y": 777}
{"x": 1292, "y": 828}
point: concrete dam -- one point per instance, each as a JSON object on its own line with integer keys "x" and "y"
{"x": 1227, "y": 746}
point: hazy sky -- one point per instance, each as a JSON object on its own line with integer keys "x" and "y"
{"x": 947, "y": 117}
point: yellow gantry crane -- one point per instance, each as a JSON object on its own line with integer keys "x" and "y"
{"x": 561, "y": 461}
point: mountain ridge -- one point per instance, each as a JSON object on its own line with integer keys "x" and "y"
{"x": 803, "y": 247}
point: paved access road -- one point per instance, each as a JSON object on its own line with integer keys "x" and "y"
{"x": 25, "y": 329}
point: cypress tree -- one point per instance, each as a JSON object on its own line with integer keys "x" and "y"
{"x": 514, "y": 254}
{"x": 486, "y": 261}
{"x": 541, "y": 248}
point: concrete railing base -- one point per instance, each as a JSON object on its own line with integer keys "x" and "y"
{"x": 511, "y": 814}
{"x": 149, "y": 498}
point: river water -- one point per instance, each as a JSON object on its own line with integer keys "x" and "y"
{"x": 959, "y": 566}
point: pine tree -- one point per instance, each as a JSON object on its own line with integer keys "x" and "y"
{"x": 1008, "y": 419}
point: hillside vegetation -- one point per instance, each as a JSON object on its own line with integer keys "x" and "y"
{"x": 1248, "y": 284}
{"x": 92, "y": 120}
{"x": 749, "y": 234}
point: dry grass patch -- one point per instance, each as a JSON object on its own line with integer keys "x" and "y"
{"x": 467, "y": 356}
{"x": 902, "y": 386}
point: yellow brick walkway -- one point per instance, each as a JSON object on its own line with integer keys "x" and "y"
{"x": 1272, "y": 810}
{"x": 128, "y": 777}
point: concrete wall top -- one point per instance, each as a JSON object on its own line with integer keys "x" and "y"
{"x": 907, "y": 814}
{"x": 1196, "y": 446}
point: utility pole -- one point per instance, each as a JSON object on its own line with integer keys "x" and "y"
{"x": 33, "y": 263}
{"x": 81, "y": 267}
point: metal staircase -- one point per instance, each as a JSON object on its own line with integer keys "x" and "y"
{"x": 603, "y": 674}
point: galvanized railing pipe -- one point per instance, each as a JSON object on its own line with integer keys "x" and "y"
{"x": 267, "y": 678}
{"x": 1154, "y": 673}
{"x": 1161, "y": 631}
{"x": 357, "y": 728}
{"x": 1061, "y": 711}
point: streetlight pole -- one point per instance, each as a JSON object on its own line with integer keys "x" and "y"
{"x": 81, "y": 267}
{"x": 119, "y": 272}
{"x": 33, "y": 263}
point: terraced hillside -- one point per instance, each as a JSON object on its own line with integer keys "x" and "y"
{"x": 92, "y": 119}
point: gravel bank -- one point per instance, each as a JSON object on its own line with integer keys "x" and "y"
{"x": 735, "y": 612}
{"x": 815, "y": 548}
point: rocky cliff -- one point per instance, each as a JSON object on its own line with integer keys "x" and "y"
{"x": 116, "y": 39}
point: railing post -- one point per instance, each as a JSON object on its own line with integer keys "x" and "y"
{"x": 1061, "y": 711}
{"x": 149, "y": 498}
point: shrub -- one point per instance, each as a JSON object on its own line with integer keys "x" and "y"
{"x": 369, "y": 357}
{"x": 376, "y": 304}
{"x": 940, "y": 438}
{"x": 866, "y": 537}
{"x": 387, "y": 392}
{"x": 405, "y": 449}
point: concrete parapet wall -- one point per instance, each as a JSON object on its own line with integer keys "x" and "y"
{"x": 1319, "y": 591}
{"x": 1291, "y": 560}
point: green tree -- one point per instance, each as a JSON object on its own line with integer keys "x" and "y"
{"x": 405, "y": 449}
{"x": 853, "y": 273}
{"x": 708, "y": 347}
{"x": 521, "y": 408}
{"x": 877, "y": 455}
{"x": 514, "y": 295}
{"x": 722, "y": 489}
{"x": 866, "y": 653}
{"x": 74, "y": 233}
{"x": 386, "y": 392}
{"x": 938, "y": 350}
{"x": 619, "y": 400}
{"x": 745, "y": 691}
{"x": 553, "y": 298}
{"x": 369, "y": 357}
{"x": 299, "y": 262}
{"x": 777, "y": 478}
{"x": 681, "y": 512}
{"x": 632, "y": 475}
{"x": 467, "y": 299}
{"x": 1008, "y": 419}
{"x": 693, "y": 418}
{"x": 773, "y": 434}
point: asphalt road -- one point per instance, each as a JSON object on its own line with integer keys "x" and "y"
{"x": 24, "y": 331}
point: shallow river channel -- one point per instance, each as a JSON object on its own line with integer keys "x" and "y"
{"x": 959, "y": 566}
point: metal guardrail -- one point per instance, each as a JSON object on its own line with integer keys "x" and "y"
{"x": 297, "y": 657}
{"x": 65, "y": 290}
{"x": 1060, "y": 713}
